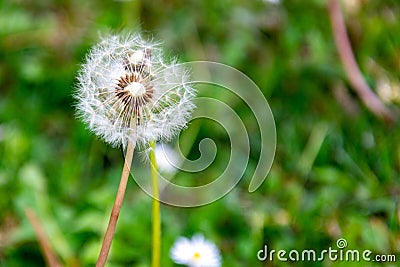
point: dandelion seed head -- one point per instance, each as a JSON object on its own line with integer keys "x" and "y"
{"x": 127, "y": 93}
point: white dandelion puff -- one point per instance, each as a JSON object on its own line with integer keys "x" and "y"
{"x": 127, "y": 93}
{"x": 195, "y": 252}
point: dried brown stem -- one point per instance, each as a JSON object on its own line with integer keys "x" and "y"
{"x": 108, "y": 237}
{"x": 368, "y": 97}
{"x": 50, "y": 256}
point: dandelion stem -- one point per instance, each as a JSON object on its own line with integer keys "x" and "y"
{"x": 108, "y": 237}
{"x": 371, "y": 101}
{"x": 155, "y": 209}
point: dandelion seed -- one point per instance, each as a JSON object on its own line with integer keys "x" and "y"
{"x": 127, "y": 93}
{"x": 195, "y": 252}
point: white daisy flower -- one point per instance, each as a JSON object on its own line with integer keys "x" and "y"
{"x": 126, "y": 93}
{"x": 195, "y": 252}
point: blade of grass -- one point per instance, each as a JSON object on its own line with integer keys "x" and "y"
{"x": 50, "y": 256}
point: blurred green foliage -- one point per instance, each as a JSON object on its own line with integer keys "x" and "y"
{"x": 336, "y": 171}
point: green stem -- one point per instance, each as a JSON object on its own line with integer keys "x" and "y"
{"x": 155, "y": 209}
